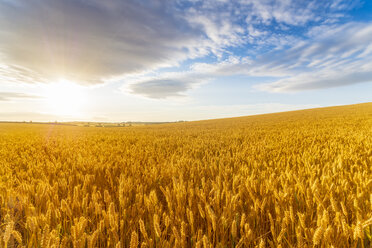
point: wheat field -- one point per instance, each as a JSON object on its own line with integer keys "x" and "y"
{"x": 293, "y": 179}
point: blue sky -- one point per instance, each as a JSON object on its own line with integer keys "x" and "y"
{"x": 180, "y": 60}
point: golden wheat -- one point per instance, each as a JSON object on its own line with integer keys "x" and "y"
{"x": 295, "y": 179}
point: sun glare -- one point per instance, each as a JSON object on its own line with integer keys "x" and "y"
{"x": 65, "y": 98}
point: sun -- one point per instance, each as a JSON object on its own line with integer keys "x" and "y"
{"x": 64, "y": 98}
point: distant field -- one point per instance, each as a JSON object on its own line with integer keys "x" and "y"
{"x": 90, "y": 124}
{"x": 294, "y": 179}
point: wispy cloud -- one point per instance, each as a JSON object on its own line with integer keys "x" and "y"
{"x": 9, "y": 96}
{"x": 335, "y": 56}
{"x": 330, "y": 56}
{"x": 91, "y": 42}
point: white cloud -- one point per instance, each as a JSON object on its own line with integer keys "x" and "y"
{"x": 340, "y": 57}
{"x": 9, "y": 96}
{"x": 163, "y": 87}
{"x": 309, "y": 81}
{"x": 166, "y": 85}
{"x": 92, "y": 42}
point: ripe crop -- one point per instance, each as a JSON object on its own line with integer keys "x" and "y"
{"x": 294, "y": 179}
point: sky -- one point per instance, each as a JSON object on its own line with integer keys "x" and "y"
{"x": 170, "y": 60}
